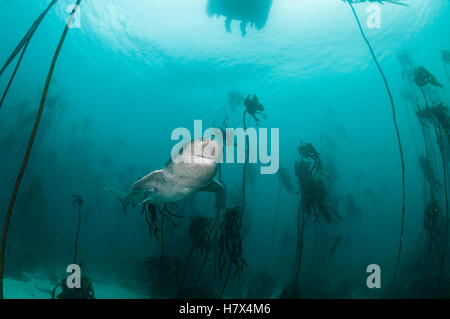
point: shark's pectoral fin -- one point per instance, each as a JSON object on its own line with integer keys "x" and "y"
{"x": 214, "y": 187}
{"x": 155, "y": 176}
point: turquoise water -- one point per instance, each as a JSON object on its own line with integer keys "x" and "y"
{"x": 136, "y": 70}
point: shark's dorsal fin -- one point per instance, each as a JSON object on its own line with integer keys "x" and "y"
{"x": 213, "y": 187}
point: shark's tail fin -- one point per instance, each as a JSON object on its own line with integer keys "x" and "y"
{"x": 121, "y": 196}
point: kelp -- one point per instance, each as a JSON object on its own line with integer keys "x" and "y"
{"x": 405, "y": 59}
{"x": 437, "y": 116}
{"x": 235, "y": 100}
{"x": 155, "y": 217}
{"x": 163, "y": 273}
{"x": 307, "y": 151}
{"x": 77, "y": 201}
{"x": 423, "y": 77}
{"x": 152, "y": 214}
{"x": 221, "y": 198}
{"x": 408, "y": 93}
{"x": 413, "y": 76}
{"x": 394, "y": 121}
{"x": 252, "y": 173}
{"x": 230, "y": 241}
{"x": 285, "y": 181}
{"x": 354, "y": 212}
{"x": 200, "y": 231}
{"x": 290, "y": 291}
{"x": 30, "y": 145}
{"x": 434, "y": 232}
{"x": 22, "y": 46}
{"x": 315, "y": 200}
{"x": 255, "y": 109}
{"x": 286, "y": 241}
{"x": 85, "y": 292}
{"x": 429, "y": 174}
{"x": 230, "y": 248}
{"x": 445, "y": 56}
{"x": 336, "y": 242}
{"x": 432, "y": 222}
{"x": 165, "y": 266}
{"x": 408, "y": 96}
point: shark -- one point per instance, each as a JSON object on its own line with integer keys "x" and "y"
{"x": 188, "y": 172}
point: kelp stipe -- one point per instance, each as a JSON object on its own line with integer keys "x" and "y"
{"x": 314, "y": 201}
{"x": 445, "y": 55}
{"x": 439, "y": 119}
{"x": 244, "y": 172}
{"x": 432, "y": 225}
{"x": 77, "y": 200}
{"x": 286, "y": 182}
{"x": 220, "y": 205}
{"x": 397, "y": 132}
{"x": 432, "y": 218}
{"x": 13, "y": 74}
{"x": 155, "y": 217}
{"x": 162, "y": 269}
{"x": 410, "y": 95}
{"x": 22, "y": 46}
{"x": 200, "y": 230}
{"x": 30, "y": 145}
{"x": 230, "y": 244}
{"x": 254, "y": 108}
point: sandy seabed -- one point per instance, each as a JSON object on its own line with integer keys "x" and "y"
{"x": 39, "y": 287}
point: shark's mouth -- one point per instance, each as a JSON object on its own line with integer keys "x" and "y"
{"x": 199, "y": 159}
{"x": 212, "y": 150}
{"x": 208, "y": 149}
{"x": 202, "y": 151}
{"x": 209, "y": 156}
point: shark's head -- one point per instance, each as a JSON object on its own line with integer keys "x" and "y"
{"x": 201, "y": 150}
{"x": 190, "y": 171}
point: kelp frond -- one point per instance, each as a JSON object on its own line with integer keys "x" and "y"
{"x": 286, "y": 180}
{"x": 422, "y": 77}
